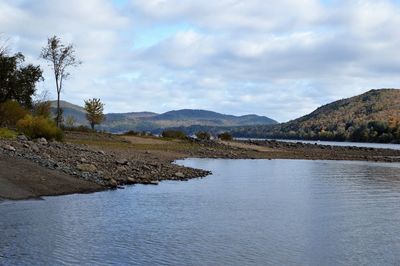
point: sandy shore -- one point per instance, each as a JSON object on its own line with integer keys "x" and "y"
{"x": 89, "y": 162}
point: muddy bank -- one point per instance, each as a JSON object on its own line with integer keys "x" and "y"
{"x": 22, "y": 179}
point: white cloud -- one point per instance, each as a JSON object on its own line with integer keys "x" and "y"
{"x": 280, "y": 59}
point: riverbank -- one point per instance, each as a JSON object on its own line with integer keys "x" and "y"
{"x": 88, "y": 162}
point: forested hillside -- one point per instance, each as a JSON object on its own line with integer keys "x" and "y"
{"x": 370, "y": 117}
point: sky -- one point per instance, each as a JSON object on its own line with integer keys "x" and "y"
{"x": 281, "y": 59}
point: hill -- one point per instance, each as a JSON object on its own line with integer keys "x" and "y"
{"x": 370, "y": 117}
{"x": 149, "y": 121}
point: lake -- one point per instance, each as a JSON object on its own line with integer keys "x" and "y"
{"x": 249, "y": 212}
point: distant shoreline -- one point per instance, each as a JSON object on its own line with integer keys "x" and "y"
{"x": 90, "y": 162}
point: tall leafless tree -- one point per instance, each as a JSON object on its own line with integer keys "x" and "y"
{"x": 60, "y": 57}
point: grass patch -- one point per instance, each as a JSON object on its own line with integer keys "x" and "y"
{"x": 115, "y": 144}
{"x": 6, "y": 133}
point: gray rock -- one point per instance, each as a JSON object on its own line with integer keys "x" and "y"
{"x": 8, "y": 147}
{"x": 34, "y": 147}
{"x": 121, "y": 168}
{"x": 85, "y": 167}
{"x": 146, "y": 167}
{"x": 22, "y": 137}
{"x": 42, "y": 141}
{"x": 122, "y": 162}
{"x": 179, "y": 174}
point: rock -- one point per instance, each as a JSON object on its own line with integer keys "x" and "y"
{"x": 9, "y": 147}
{"x": 100, "y": 173}
{"x": 42, "y": 141}
{"x": 26, "y": 145}
{"x": 179, "y": 174}
{"x": 85, "y": 167}
{"x": 122, "y": 162}
{"x": 83, "y": 160}
{"x": 22, "y": 137}
{"x": 34, "y": 147}
{"x": 145, "y": 167}
{"x": 130, "y": 180}
{"x": 121, "y": 168}
{"x": 107, "y": 177}
{"x": 113, "y": 183}
{"x": 101, "y": 152}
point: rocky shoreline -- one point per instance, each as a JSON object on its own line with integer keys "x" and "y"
{"x": 107, "y": 169}
{"x": 110, "y": 161}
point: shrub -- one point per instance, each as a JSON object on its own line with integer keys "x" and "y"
{"x": 173, "y": 134}
{"x": 39, "y": 127}
{"x": 42, "y": 109}
{"x": 203, "y": 135}
{"x": 225, "y": 136}
{"x": 11, "y": 112}
{"x": 6, "y": 133}
{"x": 132, "y": 133}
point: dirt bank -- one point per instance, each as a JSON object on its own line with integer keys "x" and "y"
{"x": 23, "y": 179}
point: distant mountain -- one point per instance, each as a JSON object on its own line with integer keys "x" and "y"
{"x": 373, "y": 117}
{"x": 70, "y": 109}
{"x": 148, "y": 121}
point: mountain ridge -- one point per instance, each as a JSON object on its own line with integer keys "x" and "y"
{"x": 149, "y": 121}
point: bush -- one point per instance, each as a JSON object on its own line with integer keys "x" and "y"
{"x": 202, "y": 135}
{"x": 11, "y": 112}
{"x": 39, "y": 127}
{"x": 173, "y": 134}
{"x": 132, "y": 133}
{"x": 42, "y": 109}
{"x": 6, "y": 133}
{"x": 225, "y": 136}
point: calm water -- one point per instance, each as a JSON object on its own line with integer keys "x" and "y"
{"x": 250, "y": 212}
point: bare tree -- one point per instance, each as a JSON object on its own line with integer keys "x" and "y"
{"x": 60, "y": 57}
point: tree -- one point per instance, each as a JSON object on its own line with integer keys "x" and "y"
{"x": 70, "y": 121}
{"x": 202, "y": 135}
{"x": 94, "y": 111}
{"x": 173, "y": 134}
{"x": 61, "y": 57}
{"x": 18, "y": 82}
{"x": 226, "y": 136}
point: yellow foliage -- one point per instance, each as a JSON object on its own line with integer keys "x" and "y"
{"x": 38, "y": 127}
{"x": 11, "y": 112}
{"x": 7, "y": 133}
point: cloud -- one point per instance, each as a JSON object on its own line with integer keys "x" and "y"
{"x": 281, "y": 59}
